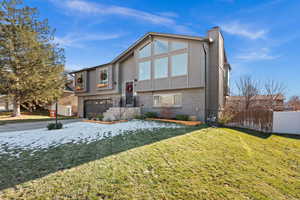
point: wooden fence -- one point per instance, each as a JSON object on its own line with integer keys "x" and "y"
{"x": 259, "y": 120}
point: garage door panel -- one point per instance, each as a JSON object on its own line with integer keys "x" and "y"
{"x": 94, "y": 107}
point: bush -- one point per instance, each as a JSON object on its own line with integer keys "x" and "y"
{"x": 182, "y": 117}
{"x": 140, "y": 117}
{"x": 151, "y": 115}
{"x": 54, "y": 126}
{"x": 99, "y": 117}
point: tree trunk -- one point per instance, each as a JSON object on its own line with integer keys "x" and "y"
{"x": 17, "y": 108}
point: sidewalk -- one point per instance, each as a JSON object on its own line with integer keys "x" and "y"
{"x": 32, "y": 125}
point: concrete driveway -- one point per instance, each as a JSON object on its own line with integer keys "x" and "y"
{"x": 32, "y": 125}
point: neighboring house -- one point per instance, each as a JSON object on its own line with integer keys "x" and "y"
{"x": 67, "y": 104}
{"x": 178, "y": 73}
{"x": 5, "y": 103}
{"x": 260, "y": 102}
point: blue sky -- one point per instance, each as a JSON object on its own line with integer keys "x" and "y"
{"x": 262, "y": 37}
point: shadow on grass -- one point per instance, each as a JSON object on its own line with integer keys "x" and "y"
{"x": 264, "y": 135}
{"x": 252, "y": 132}
{"x": 28, "y": 166}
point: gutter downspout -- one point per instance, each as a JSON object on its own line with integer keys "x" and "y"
{"x": 205, "y": 81}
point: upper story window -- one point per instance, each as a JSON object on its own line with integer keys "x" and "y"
{"x": 80, "y": 81}
{"x": 144, "y": 70}
{"x": 161, "y": 68}
{"x": 145, "y": 51}
{"x": 179, "y": 64}
{"x": 178, "y": 45}
{"x": 160, "y": 46}
{"x": 103, "y": 78}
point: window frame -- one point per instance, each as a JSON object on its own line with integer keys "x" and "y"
{"x": 143, "y": 47}
{"x": 99, "y": 83}
{"x": 83, "y": 84}
{"x": 154, "y": 46}
{"x": 183, "y": 42}
{"x": 139, "y": 70}
{"x": 173, "y": 105}
{"x": 154, "y": 67}
{"x": 172, "y": 64}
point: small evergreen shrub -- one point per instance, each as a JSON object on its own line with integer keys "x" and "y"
{"x": 100, "y": 117}
{"x": 54, "y": 126}
{"x": 182, "y": 117}
{"x": 151, "y": 115}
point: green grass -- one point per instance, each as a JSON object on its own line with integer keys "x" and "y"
{"x": 211, "y": 163}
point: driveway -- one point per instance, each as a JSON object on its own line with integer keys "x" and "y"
{"x": 32, "y": 125}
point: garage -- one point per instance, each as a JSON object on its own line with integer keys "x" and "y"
{"x": 97, "y": 106}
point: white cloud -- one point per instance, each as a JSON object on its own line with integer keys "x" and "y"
{"x": 255, "y": 55}
{"x": 236, "y": 28}
{"x": 88, "y": 8}
{"x": 78, "y": 40}
{"x": 169, "y": 14}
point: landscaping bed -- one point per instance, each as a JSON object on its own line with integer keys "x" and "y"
{"x": 186, "y": 123}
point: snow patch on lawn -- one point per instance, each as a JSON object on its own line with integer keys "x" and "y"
{"x": 72, "y": 133}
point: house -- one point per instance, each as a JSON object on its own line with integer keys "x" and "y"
{"x": 67, "y": 104}
{"x": 5, "y": 103}
{"x": 162, "y": 73}
{"x": 259, "y": 102}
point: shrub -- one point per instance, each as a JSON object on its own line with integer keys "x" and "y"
{"x": 151, "y": 114}
{"x": 54, "y": 126}
{"x": 100, "y": 117}
{"x": 182, "y": 117}
{"x": 140, "y": 117}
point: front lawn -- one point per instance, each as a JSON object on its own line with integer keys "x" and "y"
{"x": 190, "y": 163}
{"x": 5, "y": 117}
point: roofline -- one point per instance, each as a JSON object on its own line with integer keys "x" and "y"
{"x": 204, "y": 39}
{"x": 89, "y": 68}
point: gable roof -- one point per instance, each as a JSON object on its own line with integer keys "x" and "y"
{"x": 149, "y": 34}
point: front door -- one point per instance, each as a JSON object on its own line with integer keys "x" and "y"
{"x": 129, "y": 93}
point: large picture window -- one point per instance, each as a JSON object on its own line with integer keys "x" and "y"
{"x": 103, "y": 78}
{"x": 160, "y": 46}
{"x": 161, "y": 68}
{"x": 144, "y": 70}
{"x": 145, "y": 51}
{"x": 80, "y": 81}
{"x": 167, "y": 100}
{"x": 179, "y": 64}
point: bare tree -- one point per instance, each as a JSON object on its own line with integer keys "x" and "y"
{"x": 248, "y": 89}
{"x": 275, "y": 92}
{"x": 294, "y": 103}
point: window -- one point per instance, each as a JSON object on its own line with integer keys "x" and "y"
{"x": 160, "y": 46}
{"x": 179, "y": 64}
{"x": 103, "y": 78}
{"x": 167, "y": 100}
{"x": 161, "y": 68}
{"x": 178, "y": 45}
{"x": 145, "y": 51}
{"x": 80, "y": 81}
{"x": 144, "y": 70}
